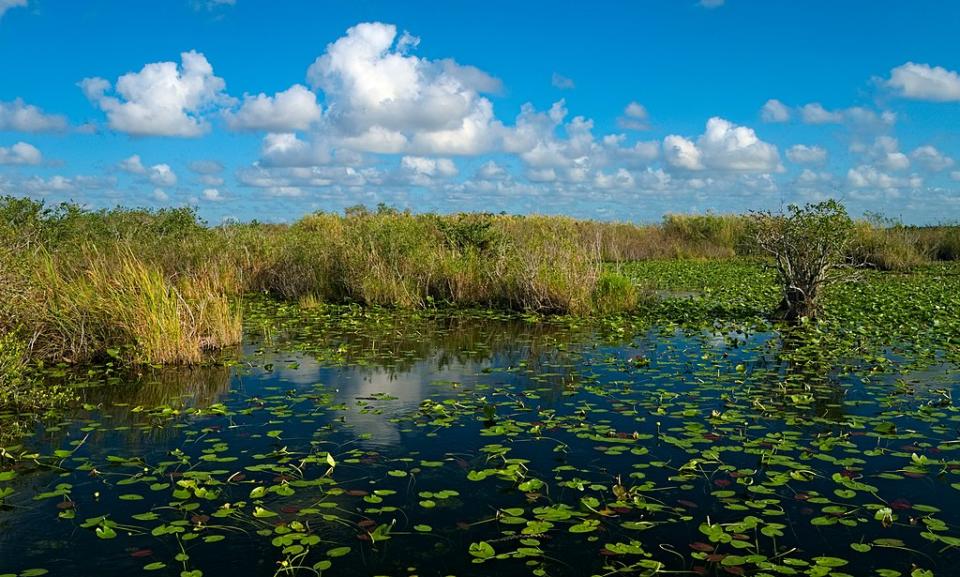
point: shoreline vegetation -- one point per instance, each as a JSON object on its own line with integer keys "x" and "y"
{"x": 161, "y": 287}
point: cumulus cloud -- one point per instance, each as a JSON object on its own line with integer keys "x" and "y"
{"x": 293, "y": 109}
{"x": 19, "y": 116}
{"x": 20, "y": 153}
{"x": 857, "y": 118}
{"x": 775, "y": 111}
{"x": 490, "y": 170}
{"x": 681, "y": 152}
{"x": 429, "y": 166}
{"x": 162, "y": 175}
{"x": 815, "y": 113}
{"x": 382, "y": 99}
{"x": 634, "y": 117}
{"x": 212, "y": 194}
{"x": 885, "y": 153}
{"x": 866, "y": 176}
{"x": 8, "y": 4}
{"x": 133, "y": 165}
{"x": 803, "y": 154}
{"x": 287, "y": 149}
{"x": 163, "y": 99}
{"x": 865, "y": 118}
{"x": 66, "y": 184}
{"x": 925, "y": 82}
{"x": 931, "y": 158}
{"x": 276, "y": 178}
{"x": 562, "y": 82}
{"x": 723, "y": 146}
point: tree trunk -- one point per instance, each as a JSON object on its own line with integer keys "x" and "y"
{"x": 796, "y": 304}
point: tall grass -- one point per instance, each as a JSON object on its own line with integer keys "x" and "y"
{"x": 117, "y": 305}
{"x": 702, "y": 236}
{"x": 162, "y": 287}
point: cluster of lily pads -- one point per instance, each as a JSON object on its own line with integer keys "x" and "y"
{"x": 695, "y": 438}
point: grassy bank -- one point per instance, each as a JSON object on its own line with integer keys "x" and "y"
{"x": 153, "y": 287}
{"x": 159, "y": 287}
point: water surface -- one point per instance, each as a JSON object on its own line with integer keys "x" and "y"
{"x": 464, "y": 445}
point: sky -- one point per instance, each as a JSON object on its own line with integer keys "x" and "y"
{"x": 628, "y": 110}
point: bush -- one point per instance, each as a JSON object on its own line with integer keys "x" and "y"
{"x": 809, "y": 245}
{"x": 615, "y": 293}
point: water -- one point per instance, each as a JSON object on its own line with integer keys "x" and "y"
{"x": 467, "y": 445}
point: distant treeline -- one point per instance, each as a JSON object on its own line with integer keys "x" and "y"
{"x": 161, "y": 286}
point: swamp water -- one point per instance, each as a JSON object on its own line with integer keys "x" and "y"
{"x": 380, "y": 444}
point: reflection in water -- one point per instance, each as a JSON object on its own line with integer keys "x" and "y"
{"x": 642, "y": 433}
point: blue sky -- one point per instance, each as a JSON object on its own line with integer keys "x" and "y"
{"x": 626, "y": 111}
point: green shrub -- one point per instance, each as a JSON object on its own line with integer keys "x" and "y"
{"x": 615, "y": 293}
{"x": 809, "y": 245}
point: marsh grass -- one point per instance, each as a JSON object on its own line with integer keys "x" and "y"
{"x": 116, "y": 305}
{"x": 162, "y": 287}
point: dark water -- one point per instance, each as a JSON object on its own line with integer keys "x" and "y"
{"x": 557, "y": 449}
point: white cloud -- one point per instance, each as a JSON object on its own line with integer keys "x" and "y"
{"x": 553, "y": 150}
{"x": 723, "y": 146}
{"x": 293, "y": 109}
{"x": 309, "y": 177}
{"x": 925, "y": 82}
{"x": 8, "y": 4}
{"x": 865, "y": 118}
{"x": 681, "y": 152}
{"x": 382, "y": 99}
{"x": 621, "y": 179}
{"x": 562, "y": 82}
{"x": 931, "y": 158}
{"x": 865, "y": 176}
{"x": 775, "y": 111}
{"x": 212, "y": 194}
{"x": 66, "y": 184}
{"x": 856, "y": 117}
{"x": 885, "y": 153}
{"x": 20, "y": 153}
{"x": 286, "y": 149}
{"x": 19, "y": 116}
{"x": 210, "y": 180}
{"x": 541, "y": 174}
{"x": 955, "y": 175}
{"x": 162, "y": 175}
{"x": 490, "y": 170}
{"x": 133, "y": 165}
{"x": 285, "y": 191}
{"x": 726, "y": 146}
{"x": 429, "y": 166}
{"x": 160, "y": 195}
{"x": 809, "y": 178}
{"x": 803, "y": 154}
{"x": 163, "y": 99}
{"x": 634, "y": 117}
{"x": 815, "y": 113}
